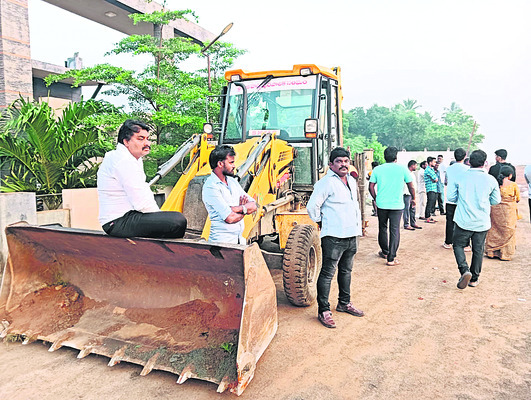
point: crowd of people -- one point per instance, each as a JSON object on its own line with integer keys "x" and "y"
{"x": 480, "y": 207}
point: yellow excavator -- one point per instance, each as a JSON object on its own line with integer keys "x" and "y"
{"x": 195, "y": 308}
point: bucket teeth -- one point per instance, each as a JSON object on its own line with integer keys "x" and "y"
{"x": 29, "y": 338}
{"x": 149, "y": 365}
{"x": 185, "y": 374}
{"x": 223, "y": 385}
{"x": 85, "y": 352}
{"x": 4, "y": 333}
{"x": 56, "y": 345}
{"x": 117, "y": 357}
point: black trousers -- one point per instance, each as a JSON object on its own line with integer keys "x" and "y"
{"x": 529, "y": 206}
{"x": 337, "y": 253}
{"x": 430, "y": 204}
{"x": 450, "y": 211}
{"x": 461, "y": 240}
{"x": 389, "y": 219}
{"x": 440, "y": 202}
{"x": 162, "y": 224}
{"x": 409, "y": 212}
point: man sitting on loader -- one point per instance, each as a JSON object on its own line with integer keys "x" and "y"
{"x": 127, "y": 204}
{"x": 224, "y": 198}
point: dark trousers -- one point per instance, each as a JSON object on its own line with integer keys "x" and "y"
{"x": 389, "y": 219}
{"x": 440, "y": 202}
{"x": 450, "y": 211}
{"x": 461, "y": 239}
{"x": 162, "y": 224}
{"x": 409, "y": 212}
{"x": 337, "y": 253}
{"x": 529, "y": 206}
{"x": 430, "y": 204}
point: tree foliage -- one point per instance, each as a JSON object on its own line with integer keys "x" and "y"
{"x": 163, "y": 94}
{"x": 46, "y": 153}
{"x": 406, "y": 128}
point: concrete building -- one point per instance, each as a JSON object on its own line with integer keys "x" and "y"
{"x": 22, "y": 76}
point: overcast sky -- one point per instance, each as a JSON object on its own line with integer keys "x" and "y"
{"x": 476, "y": 53}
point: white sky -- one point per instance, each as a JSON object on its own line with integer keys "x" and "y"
{"x": 476, "y": 53}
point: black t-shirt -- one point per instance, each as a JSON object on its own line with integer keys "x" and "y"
{"x": 495, "y": 170}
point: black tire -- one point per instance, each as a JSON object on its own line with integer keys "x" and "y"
{"x": 301, "y": 265}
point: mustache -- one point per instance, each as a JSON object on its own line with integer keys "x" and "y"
{"x": 146, "y": 148}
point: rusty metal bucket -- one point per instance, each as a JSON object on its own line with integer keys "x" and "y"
{"x": 187, "y": 307}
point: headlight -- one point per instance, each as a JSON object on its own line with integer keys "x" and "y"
{"x": 235, "y": 78}
{"x": 311, "y": 126}
{"x": 306, "y": 71}
{"x": 207, "y": 128}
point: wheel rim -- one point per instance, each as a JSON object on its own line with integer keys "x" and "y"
{"x": 312, "y": 265}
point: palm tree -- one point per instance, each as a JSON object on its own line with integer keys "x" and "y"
{"x": 410, "y": 105}
{"x": 47, "y": 154}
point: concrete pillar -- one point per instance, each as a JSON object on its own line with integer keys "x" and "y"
{"x": 15, "y": 55}
{"x": 15, "y": 207}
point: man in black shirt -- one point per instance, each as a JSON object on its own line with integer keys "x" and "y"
{"x": 501, "y": 155}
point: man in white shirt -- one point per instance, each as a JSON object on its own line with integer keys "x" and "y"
{"x": 334, "y": 206}
{"x": 410, "y": 221}
{"x": 225, "y": 200}
{"x": 127, "y": 204}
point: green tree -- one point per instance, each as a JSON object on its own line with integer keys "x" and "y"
{"x": 169, "y": 98}
{"x": 47, "y": 153}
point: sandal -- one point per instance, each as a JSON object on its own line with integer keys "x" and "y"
{"x": 393, "y": 263}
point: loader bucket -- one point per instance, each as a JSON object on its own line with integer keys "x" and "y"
{"x": 187, "y": 307}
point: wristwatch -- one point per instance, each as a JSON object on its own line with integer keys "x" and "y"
{"x": 244, "y": 210}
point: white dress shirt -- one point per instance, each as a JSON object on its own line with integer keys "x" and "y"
{"x": 336, "y": 206}
{"x": 122, "y": 186}
{"x": 219, "y": 198}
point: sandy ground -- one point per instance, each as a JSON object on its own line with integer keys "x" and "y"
{"x": 421, "y": 338}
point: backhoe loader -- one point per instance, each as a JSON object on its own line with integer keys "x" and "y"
{"x": 191, "y": 307}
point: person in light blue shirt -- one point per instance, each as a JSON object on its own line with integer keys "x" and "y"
{"x": 474, "y": 192}
{"x": 389, "y": 179}
{"x": 334, "y": 206}
{"x": 225, "y": 200}
{"x": 453, "y": 172}
{"x": 527, "y": 175}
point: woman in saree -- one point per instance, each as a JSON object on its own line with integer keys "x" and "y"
{"x": 501, "y": 238}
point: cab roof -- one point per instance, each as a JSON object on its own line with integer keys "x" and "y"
{"x": 315, "y": 69}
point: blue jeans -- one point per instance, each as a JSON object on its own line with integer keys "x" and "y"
{"x": 337, "y": 252}
{"x": 461, "y": 239}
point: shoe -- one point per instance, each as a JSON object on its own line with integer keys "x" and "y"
{"x": 393, "y": 263}
{"x": 409, "y": 228}
{"x": 325, "y": 318}
{"x": 422, "y": 218}
{"x": 350, "y": 309}
{"x": 473, "y": 284}
{"x": 416, "y": 226}
{"x": 381, "y": 254}
{"x": 463, "y": 281}
{"x": 430, "y": 221}
{"x": 468, "y": 249}
{"x": 447, "y": 246}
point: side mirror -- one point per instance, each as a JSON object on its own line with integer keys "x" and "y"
{"x": 311, "y": 126}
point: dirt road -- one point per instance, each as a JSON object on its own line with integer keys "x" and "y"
{"x": 421, "y": 338}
